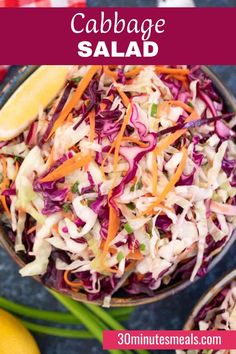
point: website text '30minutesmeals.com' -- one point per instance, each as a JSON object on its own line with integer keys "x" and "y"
{"x": 169, "y": 339}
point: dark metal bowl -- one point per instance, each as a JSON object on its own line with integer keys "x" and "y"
{"x": 207, "y": 297}
{"x": 128, "y": 300}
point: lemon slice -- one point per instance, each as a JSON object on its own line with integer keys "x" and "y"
{"x": 15, "y": 338}
{"x": 30, "y": 98}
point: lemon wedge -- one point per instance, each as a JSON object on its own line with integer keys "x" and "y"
{"x": 15, "y": 338}
{"x": 30, "y": 98}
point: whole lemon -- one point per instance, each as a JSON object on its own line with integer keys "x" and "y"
{"x": 14, "y": 337}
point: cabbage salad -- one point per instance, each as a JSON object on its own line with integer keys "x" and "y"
{"x": 127, "y": 181}
{"x": 218, "y": 314}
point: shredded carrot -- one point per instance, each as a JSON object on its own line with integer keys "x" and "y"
{"x": 136, "y": 255}
{"x": 68, "y": 215}
{"x": 75, "y": 98}
{"x": 147, "y": 195}
{"x": 4, "y": 204}
{"x": 181, "y": 104}
{"x": 134, "y": 72}
{"x": 116, "y": 144}
{"x": 114, "y": 76}
{"x": 110, "y": 97}
{"x": 181, "y": 78}
{"x": 32, "y": 229}
{"x": 5, "y": 181}
{"x": 165, "y": 70}
{"x": 92, "y": 125}
{"x": 69, "y": 196}
{"x": 184, "y": 83}
{"x": 113, "y": 227}
{"x": 102, "y": 106}
{"x": 55, "y": 229}
{"x": 75, "y": 148}
{"x": 170, "y": 139}
{"x": 110, "y": 72}
{"x": 69, "y": 166}
{"x": 163, "y": 212}
{"x": 177, "y": 77}
{"x": 69, "y": 118}
{"x": 110, "y": 270}
{"x": 112, "y": 250}
{"x": 140, "y": 276}
{"x": 4, "y": 185}
{"x": 17, "y": 169}
{"x": 124, "y": 97}
{"x": 163, "y": 107}
{"x": 154, "y": 172}
{"x": 120, "y": 136}
{"x": 50, "y": 159}
{"x": 75, "y": 284}
{"x": 174, "y": 179}
{"x": 102, "y": 243}
{"x": 130, "y": 139}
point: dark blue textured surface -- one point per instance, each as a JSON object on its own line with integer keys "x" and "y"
{"x": 167, "y": 314}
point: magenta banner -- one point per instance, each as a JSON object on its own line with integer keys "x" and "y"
{"x": 117, "y": 36}
{"x": 169, "y": 340}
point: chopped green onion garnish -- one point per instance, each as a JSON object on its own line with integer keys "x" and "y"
{"x": 139, "y": 185}
{"x": 128, "y": 228}
{"x": 77, "y": 79}
{"x": 120, "y": 256}
{"x": 66, "y": 207}
{"x": 17, "y": 158}
{"x": 142, "y": 247}
{"x": 154, "y": 110}
{"x": 131, "y": 206}
{"x": 190, "y": 104}
{"x": 74, "y": 188}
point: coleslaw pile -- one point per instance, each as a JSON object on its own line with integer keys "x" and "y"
{"x": 218, "y": 314}
{"x": 126, "y": 181}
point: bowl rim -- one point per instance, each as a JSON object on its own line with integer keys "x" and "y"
{"x": 139, "y": 299}
{"x": 209, "y": 295}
